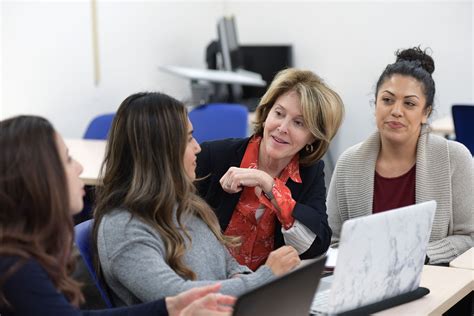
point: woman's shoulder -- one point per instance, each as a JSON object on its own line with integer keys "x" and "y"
{"x": 460, "y": 156}
{"x": 351, "y": 152}
{"x": 29, "y": 290}
{"x": 459, "y": 150}
{"x": 26, "y": 267}
{"x": 456, "y": 150}
{"x": 120, "y": 231}
{"x": 120, "y": 224}
{"x": 225, "y": 143}
{"x": 6, "y": 262}
{"x": 357, "y": 152}
{"x": 116, "y": 218}
{"x": 226, "y": 146}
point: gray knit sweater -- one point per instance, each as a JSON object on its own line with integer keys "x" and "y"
{"x": 444, "y": 172}
{"x": 132, "y": 253}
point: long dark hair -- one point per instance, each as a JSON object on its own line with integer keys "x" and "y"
{"x": 35, "y": 219}
{"x": 143, "y": 173}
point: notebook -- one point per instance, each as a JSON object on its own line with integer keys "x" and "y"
{"x": 380, "y": 257}
{"x": 290, "y": 294}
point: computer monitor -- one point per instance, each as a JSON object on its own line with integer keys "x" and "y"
{"x": 224, "y": 54}
{"x": 227, "y": 54}
{"x": 267, "y": 60}
{"x": 228, "y": 43}
{"x": 230, "y": 54}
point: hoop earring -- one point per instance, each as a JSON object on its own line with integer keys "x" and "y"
{"x": 309, "y": 148}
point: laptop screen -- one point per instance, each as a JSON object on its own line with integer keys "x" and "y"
{"x": 380, "y": 256}
{"x": 290, "y": 294}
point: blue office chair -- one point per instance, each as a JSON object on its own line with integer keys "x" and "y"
{"x": 99, "y": 127}
{"x": 83, "y": 237}
{"x": 218, "y": 121}
{"x": 463, "y": 118}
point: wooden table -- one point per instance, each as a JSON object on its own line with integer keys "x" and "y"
{"x": 90, "y": 153}
{"x": 447, "y": 287}
{"x": 464, "y": 261}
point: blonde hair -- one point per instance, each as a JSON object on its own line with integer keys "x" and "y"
{"x": 322, "y": 108}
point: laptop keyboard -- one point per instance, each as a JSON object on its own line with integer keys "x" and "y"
{"x": 320, "y": 302}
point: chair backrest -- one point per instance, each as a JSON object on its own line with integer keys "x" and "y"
{"x": 219, "y": 121}
{"x": 99, "y": 127}
{"x": 83, "y": 238}
{"x": 463, "y": 118}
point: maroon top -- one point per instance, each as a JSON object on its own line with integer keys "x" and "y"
{"x": 390, "y": 193}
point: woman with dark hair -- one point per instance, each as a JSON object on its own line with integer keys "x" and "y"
{"x": 403, "y": 163}
{"x": 155, "y": 236}
{"x": 269, "y": 188}
{"x": 40, "y": 190}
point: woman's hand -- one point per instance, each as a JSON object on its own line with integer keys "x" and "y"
{"x": 282, "y": 260}
{"x": 200, "y": 301}
{"x": 236, "y": 178}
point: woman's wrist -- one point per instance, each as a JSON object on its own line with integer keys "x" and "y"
{"x": 269, "y": 193}
{"x": 267, "y": 188}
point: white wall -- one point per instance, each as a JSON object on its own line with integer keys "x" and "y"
{"x": 47, "y": 64}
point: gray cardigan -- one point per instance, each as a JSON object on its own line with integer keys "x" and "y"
{"x": 132, "y": 258}
{"x": 444, "y": 172}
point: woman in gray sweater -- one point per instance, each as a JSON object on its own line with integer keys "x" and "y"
{"x": 154, "y": 235}
{"x": 403, "y": 164}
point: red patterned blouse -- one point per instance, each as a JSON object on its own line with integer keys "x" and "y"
{"x": 257, "y": 236}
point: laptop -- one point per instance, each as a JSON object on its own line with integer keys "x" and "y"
{"x": 380, "y": 257}
{"x": 290, "y": 294}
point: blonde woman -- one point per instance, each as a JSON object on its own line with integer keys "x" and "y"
{"x": 269, "y": 189}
